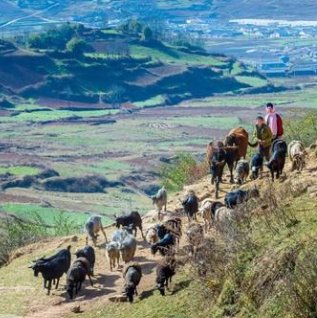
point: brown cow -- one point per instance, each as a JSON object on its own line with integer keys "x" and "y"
{"x": 239, "y": 138}
{"x": 236, "y": 146}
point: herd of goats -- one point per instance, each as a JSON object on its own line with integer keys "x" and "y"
{"x": 164, "y": 237}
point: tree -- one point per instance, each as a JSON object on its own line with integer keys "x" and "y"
{"x": 55, "y": 39}
{"x": 147, "y": 34}
{"x": 78, "y": 47}
{"x": 116, "y": 96}
{"x": 132, "y": 27}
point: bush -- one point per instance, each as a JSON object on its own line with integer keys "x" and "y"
{"x": 255, "y": 256}
{"x": 147, "y": 34}
{"x": 303, "y": 128}
{"x": 132, "y": 27}
{"x": 78, "y": 47}
{"x": 18, "y": 233}
{"x": 185, "y": 171}
{"x": 52, "y": 39}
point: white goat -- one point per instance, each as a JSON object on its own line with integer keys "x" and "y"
{"x": 297, "y": 154}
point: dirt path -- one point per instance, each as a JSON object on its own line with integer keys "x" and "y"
{"x": 107, "y": 283}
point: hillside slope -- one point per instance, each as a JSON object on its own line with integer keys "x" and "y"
{"x": 256, "y": 285}
{"x": 122, "y": 68}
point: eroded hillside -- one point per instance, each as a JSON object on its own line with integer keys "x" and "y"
{"x": 107, "y": 68}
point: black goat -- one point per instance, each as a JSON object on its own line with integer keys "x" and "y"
{"x": 163, "y": 245}
{"x": 214, "y": 207}
{"x": 88, "y": 252}
{"x": 133, "y": 219}
{"x": 256, "y": 165}
{"x": 160, "y": 230}
{"x": 277, "y": 161}
{"x": 132, "y": 275}
{"x": 190, "y": 205}
{"x": 76, "y": 275}
{"x": 164, "y": 273}
{"x": 52, "y": 268}
{"x": 62, "y": 253}
{"x": 232, "y": 199}
{"x": 216, "y": 165}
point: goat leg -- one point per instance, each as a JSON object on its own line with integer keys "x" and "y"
{"x": 57, "y": 283}
{"x": 90, "y": 280}
{"x": 104, "y": 233}
{"x": 79, "y": 286}
{"x": 166, "y": 284}
{"x": 217, "y": 189}
{"x": 49, "y": 287}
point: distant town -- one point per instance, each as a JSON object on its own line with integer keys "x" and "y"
{"x": 277, "y": 48}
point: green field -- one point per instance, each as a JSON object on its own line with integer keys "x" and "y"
{"x": 19, "y": 170}
{"x": 54, "y": 115}
{"x": 48, "y": 215}
{"x": 172, "y": 55}
{"x": 155, "y": 101}
{"x": 252, "y": 81}
{"x": 304, "y": 98}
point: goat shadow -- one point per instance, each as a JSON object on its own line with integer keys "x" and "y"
{"x": 144, "y": 244}
{"x": 88, "y": 293}
{"x": 147, "y": 293}
{"x": 147, "y": 266}
{"x": 108, "y": 280}
{"x": 180, "y": 286}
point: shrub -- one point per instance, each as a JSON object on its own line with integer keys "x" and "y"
{"x": 53, "y": 38}
{"x": 185, "y": 171}
{"x": 147, "y": 33}
{"x": 18, "y": 233}
{"x": 303, "y": 128}
{"x": 301, "y": 282}
{"x": 132, "y": 27}
{"x": 78, "y": 47}
{"x": 246, "y": 261}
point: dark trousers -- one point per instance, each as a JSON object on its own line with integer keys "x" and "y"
{"x": 265, "y": 152}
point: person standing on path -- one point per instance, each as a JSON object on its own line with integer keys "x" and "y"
{"x": 274, "y": 121}
{"x": 262, "y": 136}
